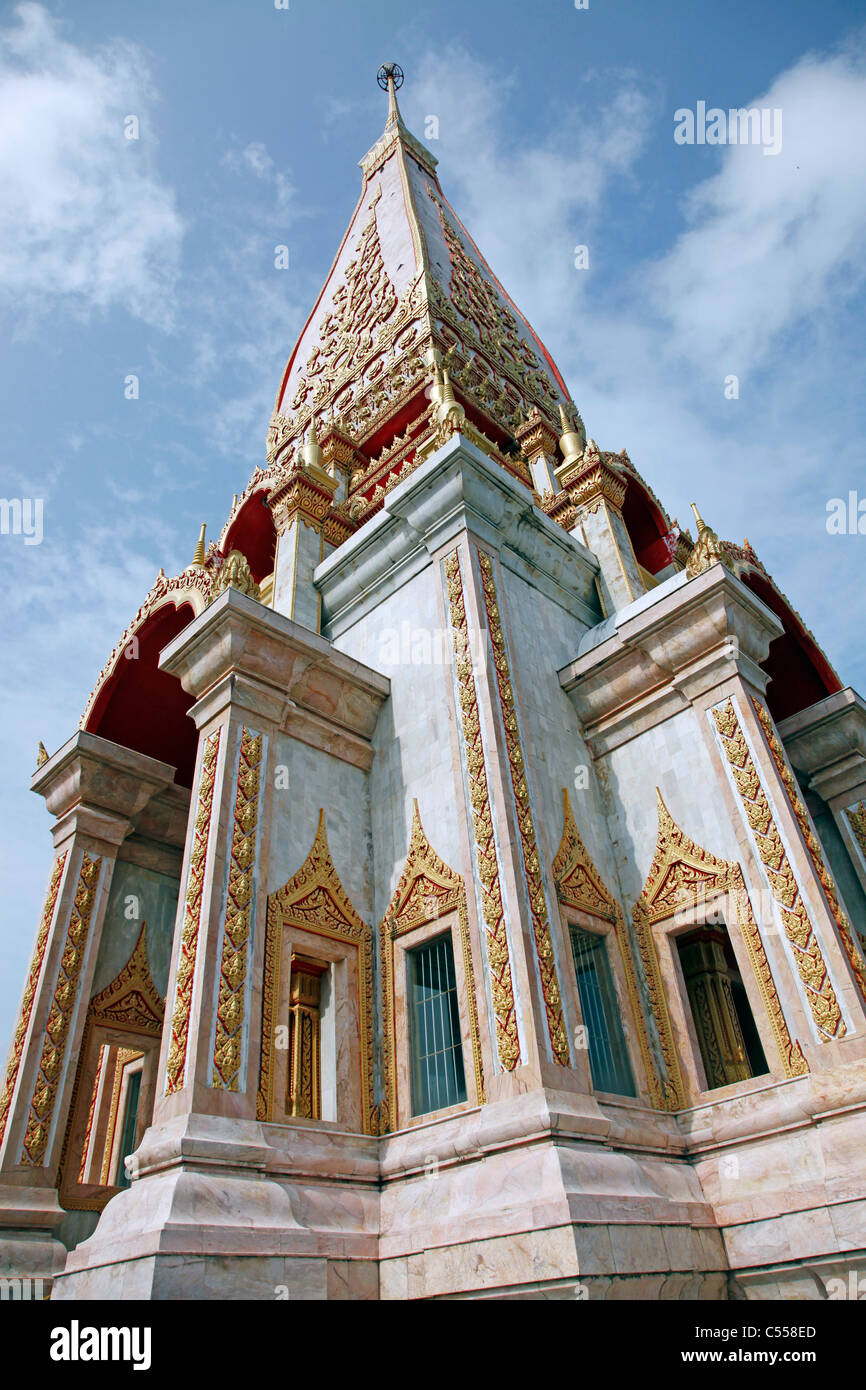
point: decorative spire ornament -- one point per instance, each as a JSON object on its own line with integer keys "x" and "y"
{"x": 41, "y": 754}
{"x": 708, "y": 550}
{"x": 198, "y": 553}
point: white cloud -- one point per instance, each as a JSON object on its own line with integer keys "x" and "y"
{"x": 83, "y": 215}
{"x": 769, "y": 238}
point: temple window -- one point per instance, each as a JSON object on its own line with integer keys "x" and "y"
{"x": 308, "y": 997}
{"x": 727, "y": 1037}
{"x": 600, "y": 1014}
{"x": 438, "y": 1078}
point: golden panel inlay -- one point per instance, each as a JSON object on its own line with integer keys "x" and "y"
{"x": 579, "y": 885}
{"x": 176, "y": 1065}
{"x": 314, "y": 900}
{"x": 528, "y": 841}
{"x": 798, "y": 928}
{"x": 236, "y": 925}
{"x": 16, "y": 1051}
{"x": 60, "y": 1013}
{"x": 846, "y": 932}
{"x": 856, "y": 816}
{"x": 492, "y": 907}
{"x": 428, "y": 890}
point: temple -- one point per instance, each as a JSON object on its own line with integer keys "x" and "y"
{"x": 459, "y": 869}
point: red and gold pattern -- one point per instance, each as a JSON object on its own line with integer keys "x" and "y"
{"x": 314, "y": 900}
{"x": 492, "y": 908}
{"x": 579, "y": 885}
{"x": 427, "y": 891}
{"x": 17, "y": 1049}
{"x": 813, "y": 845}
{"x": 528, "y": 842}
{"x": 236, "y": 927}
{"x": 176, "y": 1065}
{"x": 60, "y": 1013}
{"x": 810, "y": 963}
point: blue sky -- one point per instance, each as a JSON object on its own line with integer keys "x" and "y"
{"x": 155, "y": 257}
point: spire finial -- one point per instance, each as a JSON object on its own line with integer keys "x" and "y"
{"x": 390, "y": 79}
{"x": 198, "y": 554}
{"x": 701, "y": 524}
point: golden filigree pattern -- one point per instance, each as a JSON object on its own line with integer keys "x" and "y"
{"x": 492, "y": 907}
{"x": 798, "y": 928}
{"x": 124, "y": 1056}
{"x": 131, "y": 1001}
{"x": 16, "y": 1051}
{"x": 234, "y": 963}
{"x": 685, "y": 876}
{"x": 552, "y": 996}
{"x": 856, "y": 817}
{"x": 816, "y": 854}
{"x": 176, "y": 1065}
{"x": 579, "y": 885}
{"x": 427, "y": 891}
{"x": 314, "y": 900}
{"x": 60, "y": 1013}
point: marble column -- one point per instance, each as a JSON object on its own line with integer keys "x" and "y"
{"x": 96, "y": 790}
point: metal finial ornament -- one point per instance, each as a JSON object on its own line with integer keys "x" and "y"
{"x": 392, "y": 70}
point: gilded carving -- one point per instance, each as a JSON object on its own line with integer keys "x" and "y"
{"x": 16, "y": 1051}
{"x": 528, "y": 841}
{"x": 856, "y": 816}
{"x": 579, "y": 885}
{"x": 315, "y": 901}
{"x": 60, "y": 1013}
{"x": 798, "y": 928}
{"x": 176, "y": 1065}
{"x": 492, "y": 907}
{"x": 683, "y": 876}
{"x": 816, "y": 854}
{"x": 235, "y": 573}
{"x": 428, "y": 890}
{"x": 234, "y": 963}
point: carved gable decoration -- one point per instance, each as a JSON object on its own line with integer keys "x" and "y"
{"x": 427, "y": 887}
{"x": 681, "y": 871}
{"x": 132, "y": 1000}
{"x": 577, "y": 880}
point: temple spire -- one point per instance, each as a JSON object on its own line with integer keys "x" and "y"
{"x": 390, "y": 79}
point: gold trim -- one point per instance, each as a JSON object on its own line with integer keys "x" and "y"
{"x": 556, "y": 1028}
{"x": 810, "y": 963}
{"x": 16, "y": 1050}
{"x": 492, "y": 908}
{"x": 176, "y": 1063}
{"x": 60, "y": 1013}
{"x": 428, "y": 889}
{"x": 856, "y": 817}
{"x": 579, "y": 885}
{"x": 314, "y": 900}
{"x": 846, "y": 933}
{"x": 228, "y": 1033}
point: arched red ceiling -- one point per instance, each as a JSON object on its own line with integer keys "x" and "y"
{"x": 253, "y": 533}
{"x": 800, "y": 674}
{"x": 144, "y": 708}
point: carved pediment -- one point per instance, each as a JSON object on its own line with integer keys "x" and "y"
{"x": 132, "y": 1000}
{"x": 427, "y": 888}
{"x": 578, "y": 882}
{"x": 681, "y": 872}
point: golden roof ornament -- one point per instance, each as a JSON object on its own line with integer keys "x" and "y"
{"x": 312, "y": 451}
{"x": 708, "y": 550}
{"x": 570, "y": 441}
{"x": 198, "y": 553}
{"x": 41, "y": 754}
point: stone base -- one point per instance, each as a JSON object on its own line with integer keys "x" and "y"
{"x": 30, "y": 1251}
